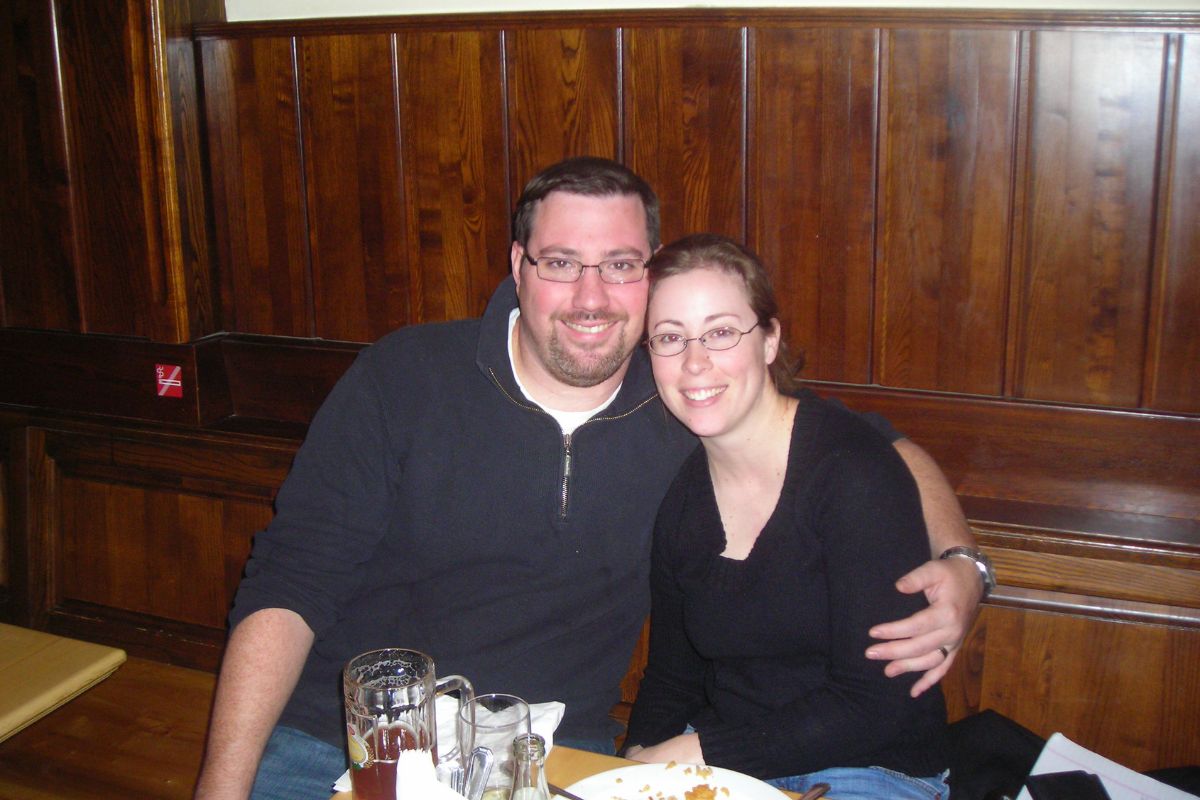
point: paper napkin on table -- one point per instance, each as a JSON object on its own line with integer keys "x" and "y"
{"x": 543, "y": 720}
{"x": 1061, "y": 755}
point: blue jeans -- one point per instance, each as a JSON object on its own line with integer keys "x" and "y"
{"x": 296, "y": 766}
{"x": 868, "y": 783}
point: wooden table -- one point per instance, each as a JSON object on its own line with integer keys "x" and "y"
{"x": 566, "y": 765}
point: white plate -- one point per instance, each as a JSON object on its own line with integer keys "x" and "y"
{"x": 667, "y": 781}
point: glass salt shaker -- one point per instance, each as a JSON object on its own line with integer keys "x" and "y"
{"x": 529, "y": 768}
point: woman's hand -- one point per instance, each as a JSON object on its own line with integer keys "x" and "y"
{"x": 929, "y": 640}
{"x": 684, "y": 748}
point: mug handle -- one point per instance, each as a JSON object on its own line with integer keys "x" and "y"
{"x": 466, "y": 693}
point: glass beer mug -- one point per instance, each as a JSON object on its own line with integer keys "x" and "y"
{"x": 390, "y": 700}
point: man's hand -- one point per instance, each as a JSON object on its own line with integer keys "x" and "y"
{"x": 929, "y": 640}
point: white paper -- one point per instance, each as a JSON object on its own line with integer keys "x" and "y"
{"x": 1062, "y": 755}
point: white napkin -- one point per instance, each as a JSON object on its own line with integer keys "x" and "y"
{"x": 543, "y": 720}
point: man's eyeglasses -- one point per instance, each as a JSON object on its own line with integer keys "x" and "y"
{"x": 672, "y": 344}
{"x": 568, "y": 270}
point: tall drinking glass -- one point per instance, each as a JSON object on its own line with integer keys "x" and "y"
{"x": 493, "y": 721}
{"x": 390, "y": 698}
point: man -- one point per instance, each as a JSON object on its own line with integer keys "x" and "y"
{"x": 484, "y": 491}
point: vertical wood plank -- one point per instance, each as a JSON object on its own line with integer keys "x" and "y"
{"x": 812, "y": 173}
{"x": 258, "y": 192}
{"x": 944, "y": 210}
{"x": 1084, "y": 277}
{"x": 352, "y": 167}
{"x": 455, "y": 182}
{"x": 37, "y": 279}
{"x": 562, "y": 97}
{"x": 108, "y": 132}
{"x": 194, "y": 261}
{"x": 684, "y": 130}
{"x": 1174, "y": 359}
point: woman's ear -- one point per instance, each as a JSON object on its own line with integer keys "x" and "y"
{"x": 771, "y": 341}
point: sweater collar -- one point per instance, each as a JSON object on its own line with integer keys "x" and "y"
{"x": 492, "y": 355}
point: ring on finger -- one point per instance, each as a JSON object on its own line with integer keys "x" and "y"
{"x": 945, "y": 651}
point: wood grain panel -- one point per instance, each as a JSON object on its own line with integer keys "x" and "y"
{"x": 945, "y": 208}
{"x": 1069, "y": 458}
{"x": 812, "y": 169}
{"x": 1099, "y": 577}
{"x": 452, "y": 111}
{"x": 258, "y": 191}
{"x": 1076, "y": 675}
{"x": 356, "y": 219}
{"x": 563, "y": 92}
{"x": 192, "y": 257}
{"x": 108, "y": 375}
{"x": 115, "y": 204}
{"x": 1082, "y": 306}
{"x": 1173, "y": 366}
{"x": 685, "y": 126}
{"x": 126, "y": 547}
{"x": 144, "y": 536}
{"x": 37, "y": 279}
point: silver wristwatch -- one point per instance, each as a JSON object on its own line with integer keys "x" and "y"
{"x": 981, "y": 561}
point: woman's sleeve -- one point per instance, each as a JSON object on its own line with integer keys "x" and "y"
{"x": 672, "y": 689}
{"x": 866, "y": 512}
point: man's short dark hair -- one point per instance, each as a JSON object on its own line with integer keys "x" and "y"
{"x": 590, "y": 176}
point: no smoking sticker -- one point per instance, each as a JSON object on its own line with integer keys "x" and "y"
{"x": 170, "y": 380}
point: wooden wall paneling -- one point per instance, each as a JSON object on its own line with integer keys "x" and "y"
{"x": 115, "y": 143}
{"x": 1173, "y": 365}
{"x": 269, "y": 385}
{"x": 685, "y": 124}
{"x": 563, "y": 97}
{"x": 1070, "y": 459}
{"x": 812, "y": 173}
{"x": 258, "y": 191}
{"x": 1084, "y": 277}
{"x": 144, "y": 536}
{"x": 188, "y": 207}
{"x": 37, "y": 278}
{"x": 455, "y": 173}
{"x": 1100, "y": 682}
{"x": 356, "y": 219}
{"x": 114, "y": 376}
{"x": 945, "y": 209}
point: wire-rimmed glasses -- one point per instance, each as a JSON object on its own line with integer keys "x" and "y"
{"x": 567, "y": 270}
{"x": 672, "y": 344}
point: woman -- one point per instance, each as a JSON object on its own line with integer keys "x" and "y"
{"x": 776, "y": 549}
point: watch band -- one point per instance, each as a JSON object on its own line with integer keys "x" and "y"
{"x": 982, "y": 562}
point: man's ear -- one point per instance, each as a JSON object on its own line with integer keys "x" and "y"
{"x": 516, "y": 255}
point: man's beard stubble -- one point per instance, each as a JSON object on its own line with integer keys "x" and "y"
{"x": 585, "y": 372}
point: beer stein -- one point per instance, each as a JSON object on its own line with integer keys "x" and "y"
{"x": 390, "y": 707}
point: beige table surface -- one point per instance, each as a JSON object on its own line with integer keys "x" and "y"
{"x": 566, "y": 765}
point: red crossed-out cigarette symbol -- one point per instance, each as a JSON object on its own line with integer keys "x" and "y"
{"x": 170, "y": 384}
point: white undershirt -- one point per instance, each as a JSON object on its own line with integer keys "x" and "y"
{"x": 567, "y": 420}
